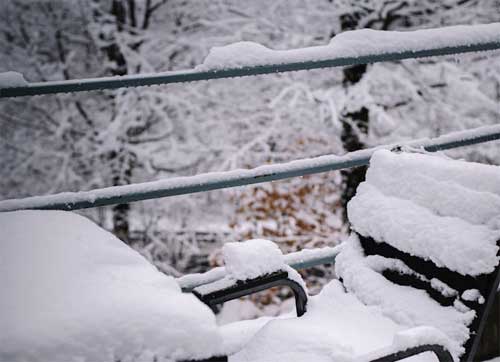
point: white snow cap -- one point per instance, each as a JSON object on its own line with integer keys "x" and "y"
{"x": 12, "y": 79}
{"x": 252, "y": 258}
{"x": 435, "y": 208}
{"x": 354, "y": 43}
{"x": 71, "y": 291}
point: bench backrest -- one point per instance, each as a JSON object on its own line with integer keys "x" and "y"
{"x": 433, "y": 225}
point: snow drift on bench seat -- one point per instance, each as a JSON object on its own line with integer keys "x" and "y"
{"x": 71, "y": 291}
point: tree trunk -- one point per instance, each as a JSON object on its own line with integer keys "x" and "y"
{"x": 125, "y": 163}
{"x": 352, "y": 124}
{"x": 122, "y": 170}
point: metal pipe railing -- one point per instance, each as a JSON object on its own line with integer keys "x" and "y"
{"x": 191, "y": 75}
{"x": 219, "y": 180}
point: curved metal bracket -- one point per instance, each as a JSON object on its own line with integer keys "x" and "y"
{"x": 250, "y": 286}
{"x": 441, "y": 353}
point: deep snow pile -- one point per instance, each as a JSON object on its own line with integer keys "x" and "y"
{"x": 12, "y": 79}
{"x": 72, "y": 291}
{"x": 438, "y": 209}
{"x": 354, "y": 43}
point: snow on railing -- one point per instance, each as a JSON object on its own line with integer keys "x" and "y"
{"x": 303, "y": 259}
{"x": 220, "y": 180}
{"x": 245, "y": 58}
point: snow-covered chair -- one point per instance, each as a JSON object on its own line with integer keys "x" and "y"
{"x": 71, "y": 291}
{"x": 417, "y": 275}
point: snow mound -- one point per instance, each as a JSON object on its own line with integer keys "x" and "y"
{"x": 236, "y": 55}
{"x": 467, "y": 190}
{"x": 12, "y": 79}
{"x": 72, "y": 291}
{"x": 437, "y": 209}
{"x": 336, "y": 327}
{"x": 252, "y": 258}
{"x": 354, "y": 43}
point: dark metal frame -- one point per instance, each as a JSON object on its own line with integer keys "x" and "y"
{"x": 247, "y": 287}
{"x": 250, "y": 286}
{"x": 486, "y": 283}
{"x": 441, "y": 353}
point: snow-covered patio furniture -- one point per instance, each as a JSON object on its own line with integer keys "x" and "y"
{"x": 416, "y": 278}
{"x": 418, "y": 273}
{"x": 71, "y": 291}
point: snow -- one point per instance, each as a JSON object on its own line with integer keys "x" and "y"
{"x": 423, "y": 180}
{"x": 432, "y": 207}
{"x": 237, "y": 334}
{"x": 385, "y": 210}
{"x": 356, "y": 43}
{"x": 419, "y": 336}
{"x": 337, "y": 327}
{"x": 406, "y": 306}
{"x": 252, "y": 258}
{"x": 216, "y": 180}
{"x": 325, "y": 333}
{"x": 72, "y": 291}
{"x": 443, "y": 288}
{"x": 12, "y": 79}
{"x": 191, "y": 281}
{"x": 473, "y": 295}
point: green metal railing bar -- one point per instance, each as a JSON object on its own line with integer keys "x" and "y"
{"x": 220, "y": 180}
{"x": 80, "y": 85}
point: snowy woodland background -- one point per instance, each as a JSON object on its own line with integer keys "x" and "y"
{"x": 89, "y": 140}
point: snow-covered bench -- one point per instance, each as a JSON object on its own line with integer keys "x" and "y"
{"x": 417, "y": 274}
{"x": 421, "y": 268}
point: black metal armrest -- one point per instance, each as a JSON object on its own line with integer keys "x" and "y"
{"x": 212, "y": 359}
{"x": 250, "y": 286}
{"x": 442, "y": 353}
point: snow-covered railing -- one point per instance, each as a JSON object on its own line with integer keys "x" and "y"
{"x": 243, "y": 59}
{"x": 220, "y": 180}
